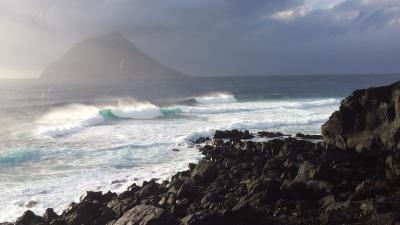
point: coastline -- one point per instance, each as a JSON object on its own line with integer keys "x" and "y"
{"x": 351, "y": 177}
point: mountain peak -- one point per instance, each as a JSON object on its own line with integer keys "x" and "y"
{"x": 114, "y": 36}
{"x": 111, "y": 56}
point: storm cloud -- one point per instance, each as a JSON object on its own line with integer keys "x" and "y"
{"x": 211, "y": 37}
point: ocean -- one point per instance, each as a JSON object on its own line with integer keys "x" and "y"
{"x": 59, "y": 140}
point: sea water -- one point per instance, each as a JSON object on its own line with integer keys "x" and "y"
{"x": 59, "y": 140}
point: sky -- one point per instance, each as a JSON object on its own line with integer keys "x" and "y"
{"x": 211, "y": 37}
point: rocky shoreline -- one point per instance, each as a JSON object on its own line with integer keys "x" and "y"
{"x": 350, "y": 177}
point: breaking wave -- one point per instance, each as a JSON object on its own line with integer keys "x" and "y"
{"x": 69, "y": 119}
{"x": 75, "y": 117}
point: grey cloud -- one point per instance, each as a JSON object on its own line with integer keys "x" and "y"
{"x": 213, "y": 37}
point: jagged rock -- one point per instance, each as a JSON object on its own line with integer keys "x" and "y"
{"x": 146, "y": 215}
{"x": 50, "y": 215}
{"x": 30, "y": 204}
{"x": 120, "y": 206}
{"x": 179, "y": 209}
{"x": 332, "y": 217}
{"x": 327, "y": 201}
{"x": 309, "y": 136}
{"x": 149, "y": 188}
{"x": 205, "y": 172}
{"x": 29, "y": 218}
{"x": 88, "y": 213}
{"x": 188, "y": 191}
{"x": 201, "y": 140}
{"x": 307, "y": 171}
{"x": 168, "y": 198}
{"x": 268, "y": 134}
{"x": 273, "y": 168}
{"x": 370, "y": 188}
{"x": 367, "y": 119}
{"x": 233, "y": 134}
{"x": 392, "y": 218}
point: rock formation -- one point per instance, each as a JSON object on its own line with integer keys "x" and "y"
{"x": 369, "y": 118}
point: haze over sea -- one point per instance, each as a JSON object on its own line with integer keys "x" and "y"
{"x": 57, "y": 141}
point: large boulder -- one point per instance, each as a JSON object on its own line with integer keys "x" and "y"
{"x": 204, "y": 172}
{"x": 28, "y": 218}
{"x": 367, "y": 119}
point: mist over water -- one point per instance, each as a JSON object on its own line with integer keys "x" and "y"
{"x": 57, "y": 141}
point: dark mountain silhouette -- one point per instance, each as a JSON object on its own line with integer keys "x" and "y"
{"x": 107, "y": 57}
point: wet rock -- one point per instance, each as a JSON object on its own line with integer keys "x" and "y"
{"x": 91, "y": 196}
{"x": 267, "y": 134}
{"x": 30, "y": 204}
{"x": 201, "y": 140}
{"x": 29, "y": 218}
{"x": 233, "y": 134}
{"x": 309, "y": 136}
{"x": 107, "y": 197}
{"x": 50, "y": 215}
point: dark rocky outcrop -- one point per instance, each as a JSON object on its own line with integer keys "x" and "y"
{"x": 309, "y": 136}
{"x": 341, "y": 180}
{"x": 268, "y": 134}
{"x": 233, "y": 134}
{"x": 282, "y": 181}
{"x": 369, "y": 118}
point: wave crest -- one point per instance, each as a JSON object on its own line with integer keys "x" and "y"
{"x": 216, "y": 98}
{"x": 75, "y": 117}
{"x": 131, "y": 109}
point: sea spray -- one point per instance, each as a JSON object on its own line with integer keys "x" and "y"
{"x": 216, "y": 98}
{"x": 73, "y": 118}
{"x": 132, "y": 109}
{"x": 68, "y": 119}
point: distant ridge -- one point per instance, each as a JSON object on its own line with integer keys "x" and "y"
{"x": 108, "y": 57}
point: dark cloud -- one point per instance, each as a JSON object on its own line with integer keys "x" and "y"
{"x": 213, "y": 37}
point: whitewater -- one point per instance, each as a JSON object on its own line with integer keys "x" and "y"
{"x": 78, "y": 147}
{"x": 56, "y": 146}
